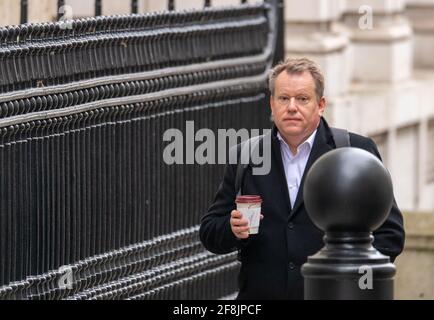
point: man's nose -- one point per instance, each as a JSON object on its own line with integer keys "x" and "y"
{"x": 291, "y": 105}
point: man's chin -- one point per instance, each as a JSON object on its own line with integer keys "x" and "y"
{"x": 292, "y": 132}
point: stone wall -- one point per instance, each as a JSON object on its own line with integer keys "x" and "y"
{"x": 415, "y": 266}
{"x": 379, "y": 79}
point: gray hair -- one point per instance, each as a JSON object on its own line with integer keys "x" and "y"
{"x": 296, "y": 66}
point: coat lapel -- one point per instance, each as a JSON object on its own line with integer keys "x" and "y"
{"x": 280, "y": 170}
{"x": 322, "y": 144}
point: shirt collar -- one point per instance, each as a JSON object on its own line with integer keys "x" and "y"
{"x": 309, "y": 141}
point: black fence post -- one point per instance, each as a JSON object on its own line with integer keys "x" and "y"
{"x": 355, "y": 200}
{"x": 24, "y": 11}
{"x": 98, "y": 7}
{"x": 134, "y": 6}
{"x": 60, "y": 4}
{"x": 171, "y": 5}
{"x": 279, "y": 52}
{"x": 280, "y": 45}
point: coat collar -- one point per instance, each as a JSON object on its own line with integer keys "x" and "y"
{"x": 322, "y": 144}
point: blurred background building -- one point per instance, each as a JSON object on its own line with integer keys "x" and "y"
{"x": 378, "y": 59}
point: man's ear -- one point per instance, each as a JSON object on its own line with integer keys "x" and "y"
{"x": 271, "y": 103}
{"x": 322, "y": 105}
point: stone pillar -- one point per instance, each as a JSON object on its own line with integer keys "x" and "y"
{"x": 381, "y": 39}
{"x": 421, "y": 13}
{"x": 311, "y": 31}
{"x": 151, "y": 6}
{"x": 424, "y": 197}
{"x": 219, "y": 3}
{"x": 189, "y": 4}
{"x": 9, "y": 12}
{"x": 113, "y": 7}
{"x": 81, "y": 8}
{"x": 42, "y": 10}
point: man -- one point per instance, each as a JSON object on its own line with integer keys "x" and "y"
{"x": 272, "y": 259}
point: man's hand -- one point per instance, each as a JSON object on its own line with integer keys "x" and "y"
{"x": 240, "y": 225}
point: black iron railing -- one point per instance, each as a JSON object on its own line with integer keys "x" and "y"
{"x": 88, "y": 207}
{"x": 99, "y": 7}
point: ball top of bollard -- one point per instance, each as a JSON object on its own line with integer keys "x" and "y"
{"x": 348, "y": 190}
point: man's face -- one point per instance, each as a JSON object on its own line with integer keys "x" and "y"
{"x": 295, "y": 107}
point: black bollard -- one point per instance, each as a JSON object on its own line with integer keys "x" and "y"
{"x": 348, "y": 194}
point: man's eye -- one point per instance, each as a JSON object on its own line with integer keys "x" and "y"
{"x": 283, "y": 99}
{"x": 303, "y": 99}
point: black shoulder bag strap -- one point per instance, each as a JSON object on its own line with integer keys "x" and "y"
{"x": 341, "y": 137}
{"x": 248, "y": 145}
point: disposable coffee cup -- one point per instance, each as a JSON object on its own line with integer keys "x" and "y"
{"x": 250, "y": 208}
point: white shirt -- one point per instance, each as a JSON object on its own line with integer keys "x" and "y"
{"x": 294, "y": 165}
